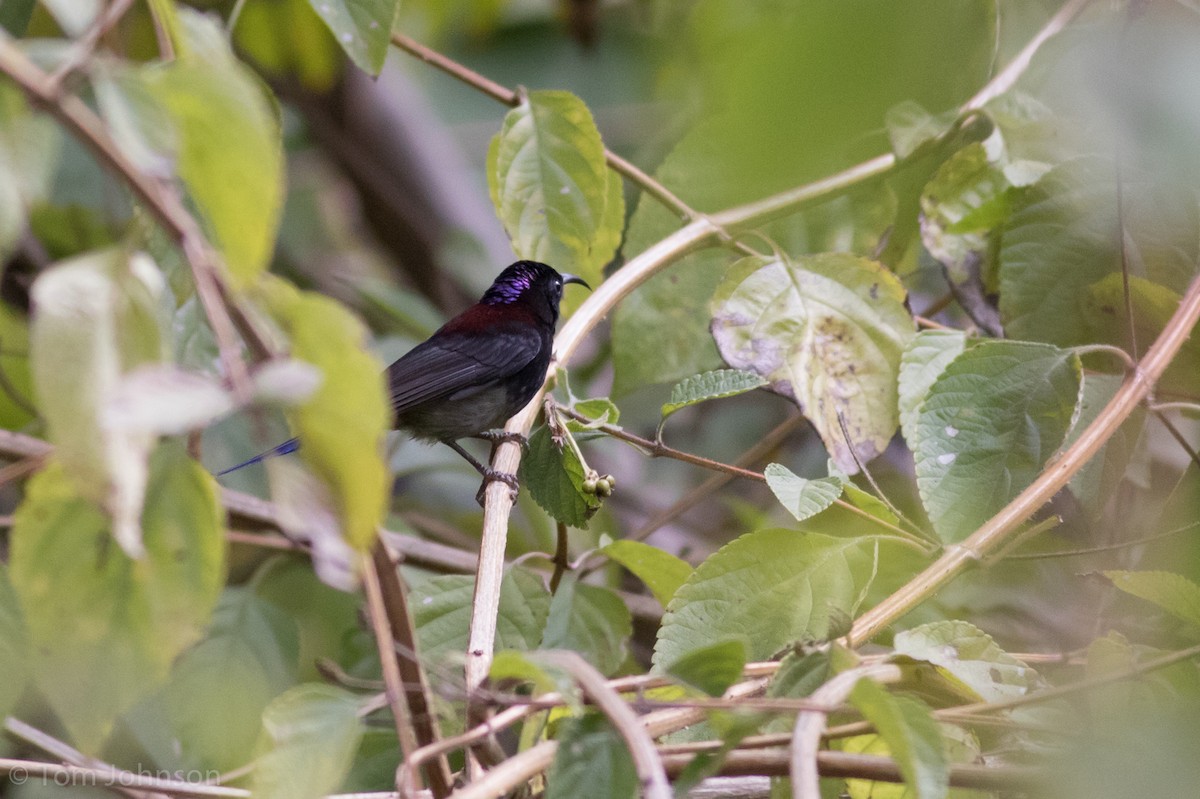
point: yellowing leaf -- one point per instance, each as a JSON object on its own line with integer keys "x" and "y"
{"x": 342, "y": 424}
{"x": 827, "y": 331}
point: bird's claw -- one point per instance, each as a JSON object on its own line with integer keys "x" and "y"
{"x": 501, "y": 436}
{"x": 493, "y": 476}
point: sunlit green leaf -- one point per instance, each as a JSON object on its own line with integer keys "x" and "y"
{"x": 106, "y": 628}
{"x": 1172, "y": 592}
{"x": 923, "y": 361}
{"x": 661, "y": 571}
{"x": 362, "y": 27}
{"x": 310, "y": 735}
{"x": 990, "y": 422}
{"x": 783, "y": 585}
{"x": 826, "y": 331}
{"x": 591, "y": 762}
{"x": 590, "y": 620}
{"x": 712, "y": 668}
{"x": 441, "y": 608}
{"x": 230, "y": 156}
{"x": 802, "y": 498}
{"x": 14, "y": 654}
{"x": 912, "y": 737}
{"x": 965, "y": 653}
{"x": 717, "y": 384}
{"x": 342, "y": 425}
{"x": 551, "y": 187}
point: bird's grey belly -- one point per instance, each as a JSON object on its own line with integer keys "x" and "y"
{"x": 467, "y": 413}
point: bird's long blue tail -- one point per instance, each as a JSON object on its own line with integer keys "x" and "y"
{"x": 286, "y": 448}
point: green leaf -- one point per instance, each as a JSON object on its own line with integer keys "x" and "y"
{"x": 230, "y": 155}
{"x": 800, "y": 673}
{"x": 969, "y": 656}
{"x": 550, "y": 185}
{"x": 310, "y": 735}
{"x": 14, "y": 648}
{"x": 661, "y": 331}
{"x": 342, "y": 425}
{"x": 1172, "y": 592}
{"x": 554, "y": 478}
{"x": 960, "y": 747}
{"x": 717, "y": 384}
{"x": 15, "y": 405}
{"x": 219, "y": 688}
{"x": 362, "y": 27}
{"x": 511, "y": 665}
{"x": 991, "y": 421}
{"x": 441, "y": 609}
{"x": 661, "y": 571}
{"x": 712, "y": 668}
{"x": 910, "y": 126}
{"x": 98, "y": 315}
{"x": 1095, "y": 483}
{"x": 29, "y": 156}
{"x": 923, "y": 361}
{"x": 104, "y": 628}
{"x": 827, "y": 331}
{"x": 778, "y": 585}
{"x": 601, "y": 410}
{"x": 591, "y": 762}
{"x": 911, "y": 735}
{"x": 1053, "y": 248}
{"x": 966, "y": 199}
{"x": 1107, "y": 322}
{"x": 590, "y": 620}
{"x": 802, "y": 498}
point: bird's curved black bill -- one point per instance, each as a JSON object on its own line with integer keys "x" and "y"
{"x": 569, "y": 278}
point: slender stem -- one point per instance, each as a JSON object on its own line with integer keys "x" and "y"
{"x": 386, "y": 645}
{"x": 393, "y": 603}
{"x": 83, "y": 48}
{"x": 1137, "y": 542}
{"x": 1178, "y": 436}
{"x": 511, "y": 98}
{"x": 658, "y": 449}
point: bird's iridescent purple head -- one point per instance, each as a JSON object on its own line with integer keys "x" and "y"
{"x": 516, "y": 281}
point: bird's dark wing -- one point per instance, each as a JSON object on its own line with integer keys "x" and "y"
{"x": 449, "y": 364}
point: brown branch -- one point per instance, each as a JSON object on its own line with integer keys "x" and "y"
{"x": 850, "y": 765}
{"x": 762, "y": 449}
{"x": 83, "y": 48}
{"x": 404, "y": 654}
{"x": 386, "y": 645}
{"x": 657, "y": 449}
